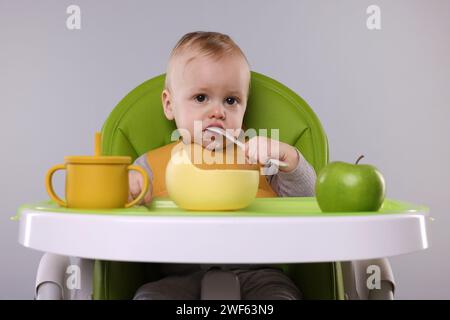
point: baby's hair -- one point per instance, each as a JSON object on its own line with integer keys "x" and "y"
{"x": 212, "y": 44}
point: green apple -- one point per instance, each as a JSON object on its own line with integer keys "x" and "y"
{"x": 342, "y": 186}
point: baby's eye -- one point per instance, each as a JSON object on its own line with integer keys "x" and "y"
{"x": 200, "y": 98}
{"x": 231, "y": 100}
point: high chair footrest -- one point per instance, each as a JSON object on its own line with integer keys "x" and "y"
{"x": 220, "y": 285}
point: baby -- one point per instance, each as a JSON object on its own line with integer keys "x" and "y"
{"x": 207, "y": 80}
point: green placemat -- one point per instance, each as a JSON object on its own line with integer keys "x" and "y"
{"x": 265, "y": 207}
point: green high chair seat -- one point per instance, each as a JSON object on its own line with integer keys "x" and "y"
{"x": 137, "y": 124}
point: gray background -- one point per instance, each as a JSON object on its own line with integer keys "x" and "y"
{"x": 381, "y": 93}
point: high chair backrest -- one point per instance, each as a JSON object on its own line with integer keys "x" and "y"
{"x": 137, "y": 124}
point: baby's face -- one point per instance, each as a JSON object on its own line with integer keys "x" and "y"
{"x": 209, "y": 91}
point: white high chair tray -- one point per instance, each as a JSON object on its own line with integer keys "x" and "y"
{"x": 270, "y": 230}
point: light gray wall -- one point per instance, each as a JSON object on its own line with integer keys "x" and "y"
{"x": 381, "y": 93}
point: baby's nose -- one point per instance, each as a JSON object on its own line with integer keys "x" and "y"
{"x": 217, "y": 112}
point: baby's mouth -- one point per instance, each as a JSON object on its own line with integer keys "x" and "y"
{"x": 216, "y": 124}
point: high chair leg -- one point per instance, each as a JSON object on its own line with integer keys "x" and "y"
{"x": 368, "y": 280}
{"x": 386, "y": 292}
{"x": 50, "y": 277}
{"x": 49, "y": 291}
{"x": 61, "y": 277}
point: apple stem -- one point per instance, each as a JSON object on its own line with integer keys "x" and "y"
{"x": 360, "y": 157}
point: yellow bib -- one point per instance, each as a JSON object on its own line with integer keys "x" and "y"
{"x": 159, "y": 158}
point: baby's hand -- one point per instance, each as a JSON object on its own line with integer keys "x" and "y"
{"x": 136, "y": 182}
{"x": 260, "y": 149}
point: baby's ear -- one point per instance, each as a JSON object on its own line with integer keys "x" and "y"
{"x": 167, "y": 104}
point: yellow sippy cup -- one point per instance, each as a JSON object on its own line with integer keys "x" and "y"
{"x": 96, "y": 182}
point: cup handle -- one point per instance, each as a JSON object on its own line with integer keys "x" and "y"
{"x": 145, "y": 187}
{"x": 49, "y": 186}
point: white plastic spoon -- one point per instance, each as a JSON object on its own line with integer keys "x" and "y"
{"x": 241, "y": 145}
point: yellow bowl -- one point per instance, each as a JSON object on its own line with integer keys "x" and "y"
{"x": 192, "y": 188}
